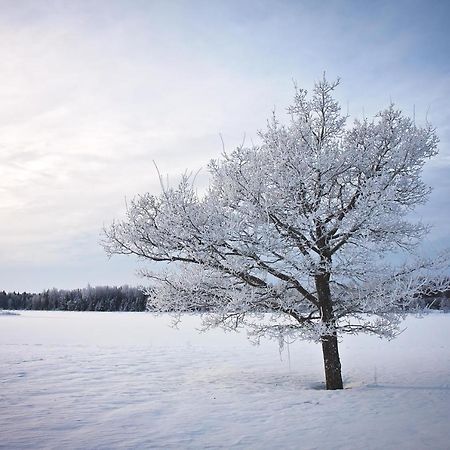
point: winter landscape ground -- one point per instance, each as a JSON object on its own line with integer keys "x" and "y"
{"x": 126, "y": 380}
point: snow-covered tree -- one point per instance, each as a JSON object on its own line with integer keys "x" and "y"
{"x": 291, "y": 237}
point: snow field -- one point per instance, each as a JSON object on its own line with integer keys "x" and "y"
{"x": 73, "y": 380}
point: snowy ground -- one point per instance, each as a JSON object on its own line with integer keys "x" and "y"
{"x": 126, "y": 380}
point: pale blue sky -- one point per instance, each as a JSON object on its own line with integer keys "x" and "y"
{"x": 91, "y": 92}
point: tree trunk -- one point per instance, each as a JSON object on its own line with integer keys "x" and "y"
{"x": 331, "y": 360}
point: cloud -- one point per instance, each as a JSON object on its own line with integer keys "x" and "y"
{"x": 92, "y": 92}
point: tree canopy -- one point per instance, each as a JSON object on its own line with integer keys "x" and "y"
{"x": 291, "y": 237}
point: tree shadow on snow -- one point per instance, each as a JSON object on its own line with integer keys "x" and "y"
{"x": 407, "y": 387}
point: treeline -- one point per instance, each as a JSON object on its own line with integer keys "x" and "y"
{"x": 126, "y": 298}
{"x": 439, "y": 301}
{"x": 100, "y": 298}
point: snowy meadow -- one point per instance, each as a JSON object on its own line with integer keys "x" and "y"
{"x": 73, "y": 380}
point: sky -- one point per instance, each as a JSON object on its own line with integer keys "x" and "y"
{"x": 92, "y": 93}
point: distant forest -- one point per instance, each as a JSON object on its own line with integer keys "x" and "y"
{"x": 100, "y": 298}
{"x": 125, "y": 298}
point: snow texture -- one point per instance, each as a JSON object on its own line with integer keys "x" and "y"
{"x": 126, "y": 380}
